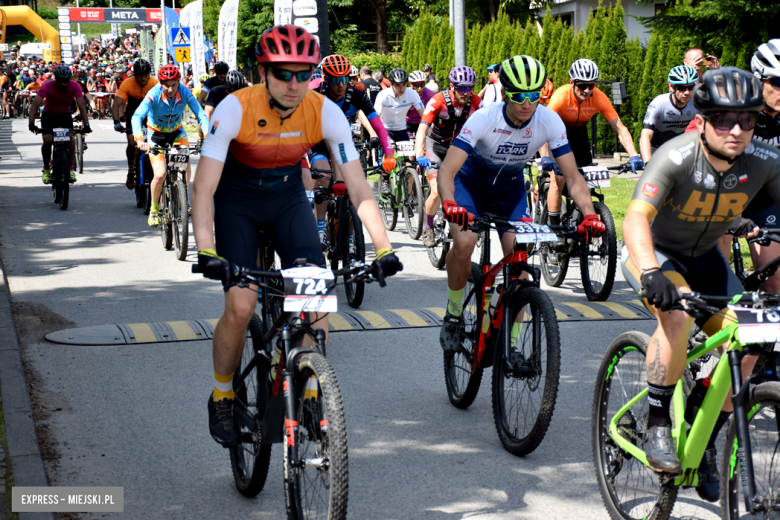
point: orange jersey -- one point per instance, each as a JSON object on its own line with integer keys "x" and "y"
{"x": 131, "y": 89}
{"x": 574, "y": 113}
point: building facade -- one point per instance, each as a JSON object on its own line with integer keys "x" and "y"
{"x": 575, "y": 13}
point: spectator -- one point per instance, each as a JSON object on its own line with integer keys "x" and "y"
{"x": 694, "y": 57}
{"x": 373, "y": 87}
{"x": 493, "y": 91}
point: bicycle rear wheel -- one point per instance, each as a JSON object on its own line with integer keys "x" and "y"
{"x": 250, "y": 458}
{"x": 441, "y": 233}
{"x": 555, "y": 264}
{"x": 525, "y": 387}
{"x": 180, "y": 219}
{"x": 414, "y": 205}
{"x": 629, "y": 489}
{"x": 462, "y": 376}
{"x": 62, "y": 173}
{"x": 763, "y": 409}
{"x": 166, "y": 227}
{"x": 317, "y": 485}
{"x": 598, "y": 259}
{"x": 355, "y": 252}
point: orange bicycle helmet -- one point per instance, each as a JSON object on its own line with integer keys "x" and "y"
{"x": 287, "y": 44}
{"x": 168, "y": 72}
{"x": 336, "y": 66}
{"x": 547, "y": 91}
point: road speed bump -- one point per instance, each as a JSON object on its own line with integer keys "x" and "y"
{"x": 352, "y": 320}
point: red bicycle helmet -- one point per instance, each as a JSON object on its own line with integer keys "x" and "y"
{"x": 168, "y": 72}
{"x": 287, "y": 44}
{"x": 336, "y": 66}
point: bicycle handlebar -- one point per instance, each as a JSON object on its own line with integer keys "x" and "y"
{"x": 359, "y": 271}
{"x": 765, "y": 236}
{"x": 695, "y": 301}
{"x": 489, "y": 219}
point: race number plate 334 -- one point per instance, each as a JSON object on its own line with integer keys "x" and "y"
{"x": 532, "y": 233}
{"x": 309, "y": 289}
{"x": 758, "y": 325}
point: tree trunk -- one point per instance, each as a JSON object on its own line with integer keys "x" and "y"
{"x": 380, "y": 9}
{"x": 493, "y": 6}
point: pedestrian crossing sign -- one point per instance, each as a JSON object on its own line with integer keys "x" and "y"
{"x": 182, "y": 54}
{"x": 180, "y": 36}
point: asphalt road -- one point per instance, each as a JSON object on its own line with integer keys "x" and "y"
{"x": 134, "y": 415}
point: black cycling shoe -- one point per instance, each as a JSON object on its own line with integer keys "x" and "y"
{"x": 221, "y": 424}
{"x": 709, "y": 482}
{"x": 449, "y": 337}
{"x": 660, "y": 451}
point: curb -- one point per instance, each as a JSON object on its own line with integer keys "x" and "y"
{"x": 24, "y": 455}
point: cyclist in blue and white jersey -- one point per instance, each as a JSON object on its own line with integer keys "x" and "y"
{"x": 164, "y": 105}
{"x": 483, "y": 172}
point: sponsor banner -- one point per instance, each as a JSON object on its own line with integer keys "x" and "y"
{"x": 115, "y": 15}
{"x": 310, "y": 24}
{"x": 305, "y": 7}
{"x": 312, "y": 15}
{"x": 283, "y": 12}
{"x": 64, "y": 25}
{"x": 228, "y": 32}
{"x": 192, "y": 17}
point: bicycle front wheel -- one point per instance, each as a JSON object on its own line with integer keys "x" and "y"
{"x": 525, "y": 386}
{"x": 79, "y": 152}
{"x": 462, "y": 375}
{"x": 166, "y": 228}
{"x": 414, "y": 205}
{"x": 180, "y": 218}
{"x": 441, "y": 233}
{"x": 353, "y": 249}
{"x": 317, "y": 484}
{"x": 62, "y": 173}
{"x": 763, "y": 410}
{"x": 629, "y": 489}
{"x": 598, "y": 259}
{"x": 389, "y": 213}
{"x": 250, "y": 458}
{"x": 554, "y": 264}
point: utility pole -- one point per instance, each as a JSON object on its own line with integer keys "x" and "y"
{"x": 452, "y": 9}
{"x": 460, "y": 31}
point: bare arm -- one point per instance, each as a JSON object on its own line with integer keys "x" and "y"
{"x": 639, "y": 240}
{"x": 208, "y": 109}
{"x": 578, "y": 188}
{"x": 203, "y": 187}
{"x": 624, "y": 136}
{"x": 366, "y": 123}
{"x": 82, "y": 109}
{"x": 118, "y": 102}
{"x": 363, "y": 199}
{"x": 202, "y": 97}
{"x": 544, "y": 151}
{"x": 644, "y": 144}
{"x": 37, "y": 102}
{"x": 452, "y": 164}
{"x": 422, "y": 136}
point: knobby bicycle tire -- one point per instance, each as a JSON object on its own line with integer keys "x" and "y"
{"x": 251, "y": 458}
{"x": 618, "y": 474}
{"x": 166, "y": 231}
{"x": 321, "y": 437}
{"x": 414, "y": 205}
{"x": 539, "y": 348}
{"x": 553, "y": 275}
{"x": 461, "y": 381}
{"x": 438, "y": 253}
{"x": 355, "y": 290}
{"x": 180, "y": 219}
{"x": 389, "y": 211}
{"x": 63, "y": 174}
{"x": 79, "y": 151}
{"x": 598, "y": 272}
{"x": 763, "y": 406}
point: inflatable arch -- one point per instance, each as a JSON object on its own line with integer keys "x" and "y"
{"x": 29, "y": 19}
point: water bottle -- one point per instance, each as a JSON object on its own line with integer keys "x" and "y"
{"x": 695, "y": 398}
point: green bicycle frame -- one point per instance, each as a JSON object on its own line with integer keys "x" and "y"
{"x": 690, "y": 445}
{"x": 399, "y": 190}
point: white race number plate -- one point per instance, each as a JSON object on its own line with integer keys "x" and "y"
{"x": 405, "y": 148}
{"x": 61, "y": 135}
{"x": 357, "y": 129}
{"x": 309, "y": 289}
{"x": 758, "y": 325}
{"x": 596, "y": 176}
{"x": 532, "y": 233}
{"x": 179, "y": 155}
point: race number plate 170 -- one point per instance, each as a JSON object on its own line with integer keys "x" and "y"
{"x": 309, "y": 289}
{"x": 179, "y": 155}
{"x": 532, "y": 233}
{"x": 596, "y": 176}
{"x": 61, "y": 135}
{"x": 758, "y": 325}
{"x": 405, "y": 148}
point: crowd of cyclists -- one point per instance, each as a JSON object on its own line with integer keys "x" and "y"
{"x": 707, "y": 156}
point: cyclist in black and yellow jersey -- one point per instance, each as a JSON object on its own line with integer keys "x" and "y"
{"x": 692, "y": 192}
{"x": 250, "y": 174}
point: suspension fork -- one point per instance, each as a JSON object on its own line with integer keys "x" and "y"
{"x": 744, "y": 450}
{"x": 290, "y": 423}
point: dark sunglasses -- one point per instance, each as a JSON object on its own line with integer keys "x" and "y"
{"x": 585, "y": 86}
{"x": 288, "y": 75}
{"x": 774, "y": 81}
{"x": 725, "y": 121}
{"x": 520, "y": 97}
{"x": 684, "y": 88}
{"x": 418, "y": 85}
{"x": 338, "y": 81}
{"x": 464, "y": 89}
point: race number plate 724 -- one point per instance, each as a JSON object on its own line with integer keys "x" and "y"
{"x": 309, "y": 289}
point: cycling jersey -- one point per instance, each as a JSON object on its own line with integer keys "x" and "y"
{"x": 210, "y": 84}
{"x": 494, "y": 93}
{"x": 261, "y": 151}
{"x": 5, "y": 82}
{"x": 763, "y": 210}
{"x": 575, "y": 113}
{"x": 133, "y": 93}
{"x": 353, "y": 100}
{"x": 690, "y": 204}
{"x": 215, "y": 96}
{"x": 392, "y": 109}
{"x": 101, "y": 86}
{"x": 446, "y": 116}
{"x": 166, "y": 115}
{"x": 372, "y": 87}
{"x": 413, "y": 116}
{"x": 666, "y": 120}
{"x": 498, "y": 149}
{"x": 56, "y": 100}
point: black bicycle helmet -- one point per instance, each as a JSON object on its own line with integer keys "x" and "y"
{"x": 142, "y": 67}
{"x": 62, "y": 72}
{"x": 728, "y": 89}
{"x": 398, "y": 75}
{"x": 221, "y": 67}
{"x": 234, "y": 81}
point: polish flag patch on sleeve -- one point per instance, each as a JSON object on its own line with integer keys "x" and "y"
{"x": 743, "y": 178}
{"x": 648, "y": 190}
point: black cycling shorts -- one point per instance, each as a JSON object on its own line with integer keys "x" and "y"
{"x": 767, "y": 217}
{"x": 580, "y": 144}
{"x": 286, "y": 215}
{"x": 56, "y": 120}
{"x": 412, "y": 128}
{"x": 318, "y": 152}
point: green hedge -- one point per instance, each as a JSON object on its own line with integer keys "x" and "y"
{"x": 644, "y": 69}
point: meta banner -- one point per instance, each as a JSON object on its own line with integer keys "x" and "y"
{"x": 105, "y": 15}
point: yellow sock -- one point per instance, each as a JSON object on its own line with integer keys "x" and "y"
{"x": 514, "y": 335}
{"x": 223, "y": 388}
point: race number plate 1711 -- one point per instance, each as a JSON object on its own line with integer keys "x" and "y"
{"x": 596, "y": 176}
{"x": 309, "y": 289}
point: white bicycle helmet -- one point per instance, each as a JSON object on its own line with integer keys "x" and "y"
{"x": 584, "y": 70}
{"x": 353, "y": 72}
{"x": 766, "y": 61}
{"x": 417, "y": 76}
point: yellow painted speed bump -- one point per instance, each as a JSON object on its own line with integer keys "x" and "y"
{"x": 352, "y": 320}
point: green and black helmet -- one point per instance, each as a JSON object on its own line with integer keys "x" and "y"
{"x": 522, "y": 74}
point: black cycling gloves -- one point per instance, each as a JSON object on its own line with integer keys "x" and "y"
{"x": 658, "y": 289}
{"x": 387, "y": 264}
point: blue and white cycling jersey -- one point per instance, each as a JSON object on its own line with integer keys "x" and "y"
{"x": 498, "y": 150}
{"x": 166, "y": 115}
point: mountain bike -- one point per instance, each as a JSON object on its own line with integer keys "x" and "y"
{"x": 509, "y": 323}
{"x": 406, "y": 194}
{"x": 752, "y": 281}
{"x": 749, "y": 461}
{"x": 174, "y": 205}
{"x": 598, "y": 258}
{"x": 286, "y": 392}
{"x": 60, "y": 164}
{"x": 345, "y": 242}
{"x": 78, "y": 124}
